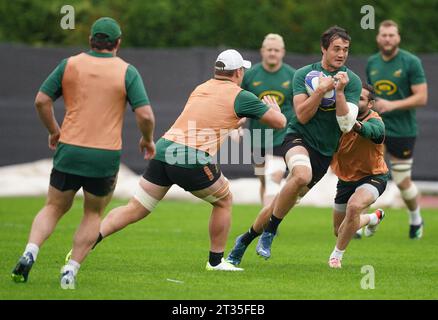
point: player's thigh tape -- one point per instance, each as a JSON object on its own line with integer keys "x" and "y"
{"x": 219, "y": 194}
{"x": 372, "y": 189}
{"x": 273, "y": 165}
{"x": 145, "y": 199}
{"x": 409, "y": 193}
{"x": 400, "y": 170}
{"x": 299, "y": 160}
{"x": 340, "y": 207}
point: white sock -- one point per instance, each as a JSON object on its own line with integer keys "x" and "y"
{"x": 415, "y": 217}
{"x": 337, "y": 253}
{"x": 373, "y": 219}
{"x": 74, "y": 266}
{"x": 33, "y": 249}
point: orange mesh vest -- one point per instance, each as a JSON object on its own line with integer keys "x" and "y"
{"x": 95, "y": 99}
{"x": 207, "y": 116}
{"x": 358, "y": 157}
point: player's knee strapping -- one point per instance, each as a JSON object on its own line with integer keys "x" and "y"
{"x": 370, "y": 188}
{"x": 340, "y": 207}
{"x": 400, "y": 170}
{"x": 273, "y": 165}
{"x": 145, "y": 199}
{"x": 219, "y": 194}
{"x": 299, "y": 160}
{"x": 409, "y": 193}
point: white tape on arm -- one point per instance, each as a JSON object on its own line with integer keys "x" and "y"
{"x": 347, "y": 122}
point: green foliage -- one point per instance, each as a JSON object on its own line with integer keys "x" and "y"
{"x": 214, "y": 23}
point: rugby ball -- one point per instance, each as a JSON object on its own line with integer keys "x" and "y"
{"x": 312, "y": 82}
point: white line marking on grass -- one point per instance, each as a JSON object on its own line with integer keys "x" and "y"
{"x": 176, "y": 281}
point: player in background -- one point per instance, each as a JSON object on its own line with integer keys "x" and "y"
{"x": 400, "y": 84}
{"x": 312, "y": 136}
{"x": 270, "y": 77}
{"x": 362, "y": 173}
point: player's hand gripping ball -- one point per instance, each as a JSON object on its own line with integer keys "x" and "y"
{"x": 312, "y": 83}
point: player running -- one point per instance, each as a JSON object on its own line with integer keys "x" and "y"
{"x": 95, "y": 86}
{"x": 360, "y": 166}
{"x": 184, "y": 153}
{"x": 312, "y": 136}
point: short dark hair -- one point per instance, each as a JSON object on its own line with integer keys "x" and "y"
{"x": 219, "y": 71}
{"x": 333, "y": 33}
{"x": 371, "y": 91}
{"x": 100, "y": 42}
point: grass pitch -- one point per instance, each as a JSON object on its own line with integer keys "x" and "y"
{"x": 164, "y": 257}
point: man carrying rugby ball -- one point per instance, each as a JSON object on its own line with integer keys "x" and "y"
{"x": 313, "y": 135}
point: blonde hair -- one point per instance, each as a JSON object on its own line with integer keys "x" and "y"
{"x": 388, "y": 23}
{"x": 273, "y": 36}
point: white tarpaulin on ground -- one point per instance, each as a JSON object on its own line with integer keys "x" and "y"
{"x": 32, "y": 179}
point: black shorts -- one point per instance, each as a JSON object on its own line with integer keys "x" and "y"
{"x": 402, "y": 148}
{"x": 320, "y": 163}
{"x": 190, "y": 179}
{"x": 97, "y": 186}
{"x": 344, "y": 190}
{"x": 258, "y": 154}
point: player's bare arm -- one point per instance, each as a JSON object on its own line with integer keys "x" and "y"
{"x": 417, "y": 99}
{"x": 44, "y": 106}
{"x": 273, "y": 117}
{"x": 145, "y": 119}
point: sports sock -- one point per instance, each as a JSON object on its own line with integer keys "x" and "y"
{"x": 273, "y": 224}
{"x": 337, "y": 253}
{"x": 415, "y": 217}
{"x": 215, "y": 258}
{"x": 374, "y": 219}
{"x": 250, "y": 235}
{"x": 73, "y": 265}
{"x": 33, "y": 249}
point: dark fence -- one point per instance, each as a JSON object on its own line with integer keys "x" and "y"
{"x": 169, "y": 76}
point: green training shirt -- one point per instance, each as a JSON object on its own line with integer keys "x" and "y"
{"x": 392, "y": 80}
{"x": 277, "y": 84}
{"x": 246, "y": 105}
{"x": 92, "y": 162}
{"x": 322, "y": 132}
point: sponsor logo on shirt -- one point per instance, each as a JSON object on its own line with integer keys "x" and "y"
{"x": 397, "y": 73}
{"x": 385, "y": 87}
{"x": 257, "y": 83}
{"x": 406, "y": 152}
{"x": 374, "y": 72}
{"x": 279, "y": 96}
{"x": 285, "y": 84}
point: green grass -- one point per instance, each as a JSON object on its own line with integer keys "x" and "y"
{"x": 173, "y": 243}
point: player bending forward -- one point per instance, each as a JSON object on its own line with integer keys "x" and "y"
{"x": 184, "y": 153}
{"x": 360, "y": 166}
